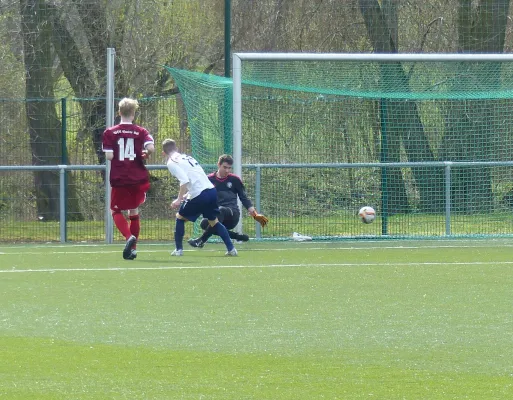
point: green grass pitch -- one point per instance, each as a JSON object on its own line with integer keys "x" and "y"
{"x": 347, "y": 320}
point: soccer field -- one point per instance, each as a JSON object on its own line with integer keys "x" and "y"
{"x": 346, "y": 320}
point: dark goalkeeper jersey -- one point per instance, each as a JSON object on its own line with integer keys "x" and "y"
{"x": 228, "y": 189}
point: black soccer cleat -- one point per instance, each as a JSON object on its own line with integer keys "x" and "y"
{"x": 243, "y": 237}
{"x": 196, "y": 242}
{"x": 127, "y": 251}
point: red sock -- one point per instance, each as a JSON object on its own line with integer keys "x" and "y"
{"x": 121, "y": 223}
{"x": 135, "y": 225}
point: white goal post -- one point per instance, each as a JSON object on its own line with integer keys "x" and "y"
{"x": 239, "y": 58}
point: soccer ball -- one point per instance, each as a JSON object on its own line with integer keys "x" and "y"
{"x": 367, "y": 214}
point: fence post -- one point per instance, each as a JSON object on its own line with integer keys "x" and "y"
{"x": 258, "y": 179}
{"x": 111, "y": 55}
{"x": 237, "y": 123}
{"x": 62, "y": 202}
{"x": 447, "y": 169}
{"x": 228, "y": 121}
{"x": 384, "y": 171}
{"x": 227, "y": 36}
{"x": 64, "y": 175}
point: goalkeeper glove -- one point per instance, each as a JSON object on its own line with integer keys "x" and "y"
{"x": 261, "y": 219}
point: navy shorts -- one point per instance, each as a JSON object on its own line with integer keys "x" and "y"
{"x": 204, "y": 204}
{"x": 229, "y": 217}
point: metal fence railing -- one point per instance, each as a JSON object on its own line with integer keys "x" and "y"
{"x": 320, "y": 200}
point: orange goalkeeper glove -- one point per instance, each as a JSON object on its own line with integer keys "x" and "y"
{"x": 261, "y": 219}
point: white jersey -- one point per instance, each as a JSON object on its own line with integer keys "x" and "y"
{"x": 188, "y": 171}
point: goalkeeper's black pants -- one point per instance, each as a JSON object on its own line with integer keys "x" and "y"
{"x": 229, "y": 217}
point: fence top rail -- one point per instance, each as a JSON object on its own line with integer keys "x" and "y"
{"x": 384, "y": 57}
{"x": 101, "y": 167}
{"x": 97, "y": 167}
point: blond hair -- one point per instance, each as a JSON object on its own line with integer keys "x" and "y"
{"x": 128, "y": 107}
{"x": 169, "y": 146}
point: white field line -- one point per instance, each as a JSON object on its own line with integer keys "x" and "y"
{"x": 65, "y": 249}
{"x": 178, "y": 267}
{"x": 458, "y": 243}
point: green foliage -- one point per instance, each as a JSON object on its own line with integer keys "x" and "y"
{"x": 334, "y": 115}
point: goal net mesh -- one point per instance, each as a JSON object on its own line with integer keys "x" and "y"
{"x": 334, "y": 112}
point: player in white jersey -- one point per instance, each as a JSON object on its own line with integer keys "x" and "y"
{"x": 197, "y": 196}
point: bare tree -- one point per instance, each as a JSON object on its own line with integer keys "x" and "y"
{"x": 44, "y": 124}
{"x": 400, "y": 119}
{"x": 471, "y": 132}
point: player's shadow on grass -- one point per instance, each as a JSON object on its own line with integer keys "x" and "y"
{"x": 171, "y": 260}
{"x": 187, "y": 259}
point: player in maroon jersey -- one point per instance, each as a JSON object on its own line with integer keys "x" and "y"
{"x": 126, "y": 145}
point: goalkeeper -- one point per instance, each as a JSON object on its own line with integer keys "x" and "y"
{"x": 229, "y": 187}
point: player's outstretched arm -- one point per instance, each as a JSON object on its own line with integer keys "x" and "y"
{"x": 260, "y": 218}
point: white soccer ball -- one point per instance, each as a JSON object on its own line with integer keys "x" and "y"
{"x": 367, "y": 214}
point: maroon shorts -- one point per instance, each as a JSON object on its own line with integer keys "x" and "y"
{"x": 124, "y": 198}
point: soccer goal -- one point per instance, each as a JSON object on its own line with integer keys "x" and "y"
{"x": 425, "y": 139}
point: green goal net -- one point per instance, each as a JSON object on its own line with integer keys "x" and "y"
{"x": 208, "y": 101}
{"x": 321, "y": 138}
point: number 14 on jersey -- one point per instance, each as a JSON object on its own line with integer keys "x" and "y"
{"x": 126, "y": 149}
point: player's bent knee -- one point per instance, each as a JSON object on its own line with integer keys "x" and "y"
{"x": 178, "y": 216}
{"x": 212, "y": 223}
{"x": 204, "y": 223}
